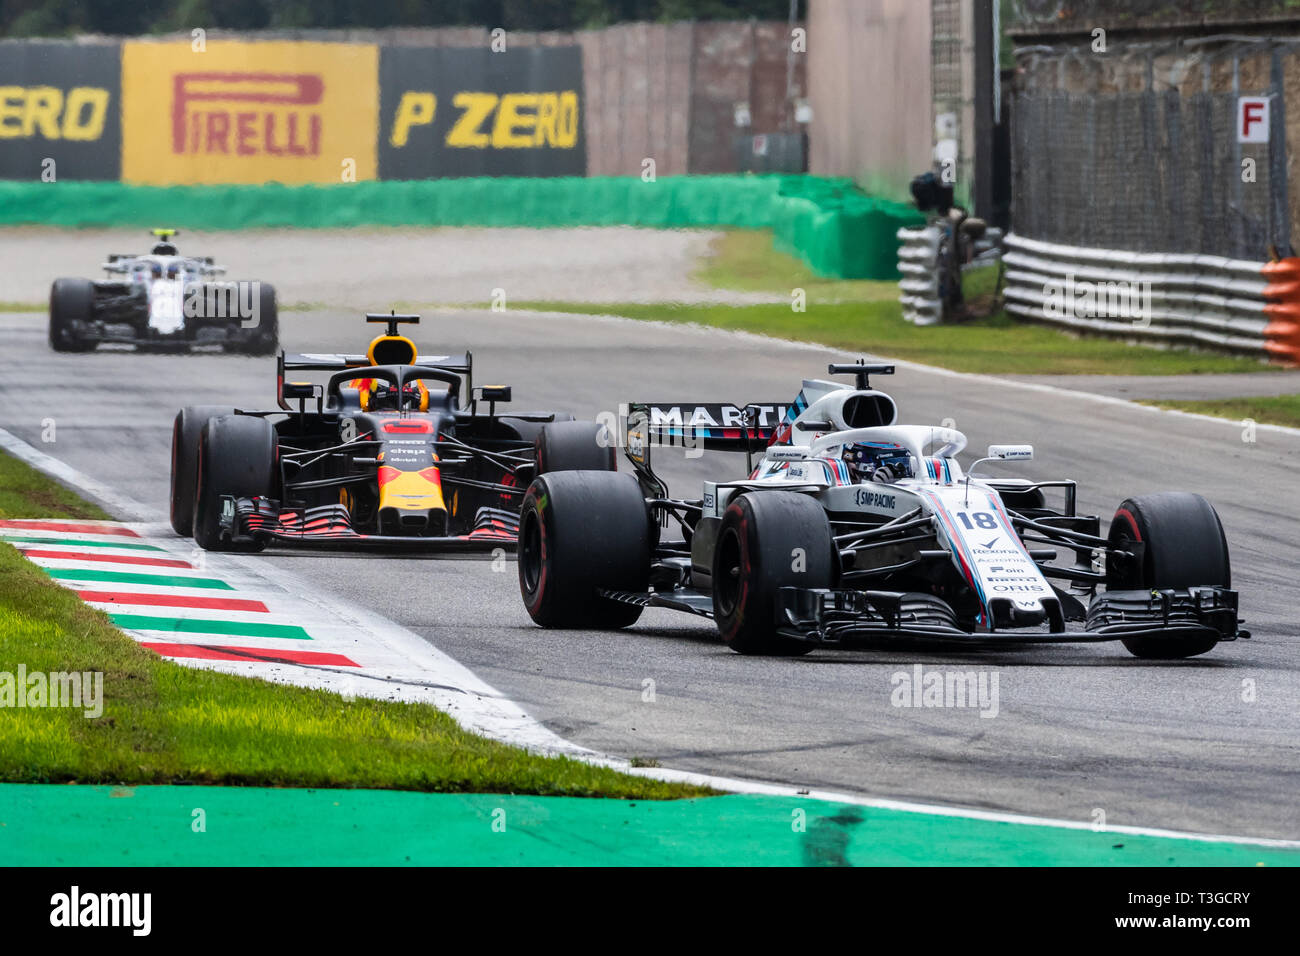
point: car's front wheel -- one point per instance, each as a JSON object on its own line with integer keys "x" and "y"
{"x": 581, "y": 532}
{"x": 186, "y": 429}
{"x": 767, "y": 540}
{"x": 236, "y": 460}
{"x": 1181, "y": 544}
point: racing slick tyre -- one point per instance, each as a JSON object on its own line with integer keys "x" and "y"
{"x": 185, "y": 455}
{"x": 71, "y": 301}
{"x": 767, "y": 540}
{"x": 580, "y": 531}
{"x": 264, "y": 338}
{"x": 575, "y": 446}
{"x": 1183, "y": 546}
{"x": 236, "y": 458}
{"x": 528, "y": 431}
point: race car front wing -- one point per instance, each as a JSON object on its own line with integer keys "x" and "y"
{"x": 330, "y": 526}
{"x": 844, "y": 617}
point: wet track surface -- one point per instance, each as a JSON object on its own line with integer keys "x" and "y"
{"x": 1078, "y": 728}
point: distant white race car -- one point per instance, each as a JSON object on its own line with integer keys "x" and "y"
{"x": 163, "y": 301}
{"x": 853, "y": 529}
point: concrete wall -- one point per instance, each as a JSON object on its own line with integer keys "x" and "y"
{"x": 870, "y": 89}
{"x": 669, "y": 92}
{"x": 637, "y": 77}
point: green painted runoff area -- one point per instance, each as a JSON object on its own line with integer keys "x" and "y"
{"x": 46, "y": 825}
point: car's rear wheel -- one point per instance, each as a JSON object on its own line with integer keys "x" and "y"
{"x": 236, "y": 459}
{"x": 529, "y": 431}
{"x": 1182, "y": 545}
{"x": 186, "y": 429}
{"x": 767, "y": 540}
{"x": 264, "y": 338}
{"x": 72, "y": 307}
{"x": 581, "y": 532}
{"x": 575, "y": 446}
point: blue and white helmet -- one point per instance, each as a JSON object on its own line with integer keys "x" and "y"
{"x": 877, "y": 461}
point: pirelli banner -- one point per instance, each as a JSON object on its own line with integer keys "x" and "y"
{"x": 244, "y": 112}
{"x": 60, "y": 111}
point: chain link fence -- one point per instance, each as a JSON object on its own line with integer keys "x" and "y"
{"x": 1154, "y": 169}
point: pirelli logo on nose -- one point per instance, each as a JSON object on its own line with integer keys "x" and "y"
{"x": 249, "y": 112}
{"x": 276, "y": 114}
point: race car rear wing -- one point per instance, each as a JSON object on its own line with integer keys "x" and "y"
{"x": 712, "y": 426}
{"x": 461, "y": 364}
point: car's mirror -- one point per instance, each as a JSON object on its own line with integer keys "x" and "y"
{"x": 1012, "y": 452}
{"x": 788, "y": 453}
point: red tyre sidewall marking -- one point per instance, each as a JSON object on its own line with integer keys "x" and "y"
{"x": 742, "y": 594}
{"x": 542, "y": 533}
{"x": 1132, "y": 522}
{"x": 176, "y": 428}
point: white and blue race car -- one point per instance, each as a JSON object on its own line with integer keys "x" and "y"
{"x": 853, "y": 530}
{"x": 163, "y": 301}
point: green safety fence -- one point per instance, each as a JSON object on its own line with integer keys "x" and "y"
{"x": 829, "y": 223}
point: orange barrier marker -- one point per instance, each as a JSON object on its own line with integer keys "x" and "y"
{"x": 1282, "y": 334}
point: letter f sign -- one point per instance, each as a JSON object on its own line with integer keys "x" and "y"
{"x": 1252, "y": 119}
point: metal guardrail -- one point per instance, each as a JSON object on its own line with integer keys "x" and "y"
{"x": 1230, "y": 305}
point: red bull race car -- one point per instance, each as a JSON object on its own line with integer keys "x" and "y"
{"x": 393, "y": 450}
{"x": 852, "y": 529}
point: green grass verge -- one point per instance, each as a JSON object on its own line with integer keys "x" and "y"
{"x": 745, "y": 260}
{"x": 26, "y": 493}
{"x": 164, "y": 723}
{"x": 1268, "y": 410}
{"x": 861, "y": 315}
{"x": 996, "y": 345}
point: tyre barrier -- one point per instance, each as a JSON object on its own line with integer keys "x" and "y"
{"x": 1224, "y": 305}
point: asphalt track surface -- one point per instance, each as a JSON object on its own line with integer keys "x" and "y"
{"x": 1078, "y": 729}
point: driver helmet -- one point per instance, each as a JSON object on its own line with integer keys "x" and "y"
{"x": 379, "y": 395}
{"x": 877, "y": 461}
